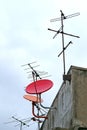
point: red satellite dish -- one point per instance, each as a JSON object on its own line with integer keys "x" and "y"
{"x": 33, "y": 98}
{"x": 39, "y": 86}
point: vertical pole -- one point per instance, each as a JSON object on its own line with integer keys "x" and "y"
{"x": 38, "y": 121}
{"x": 38, "y": 116}
{"x": 21, "y": 126}
{"x": 62, "y": 17}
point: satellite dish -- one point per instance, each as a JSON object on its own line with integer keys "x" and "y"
{"x": 39, "y": 86}
{"x": 33, "y": 98}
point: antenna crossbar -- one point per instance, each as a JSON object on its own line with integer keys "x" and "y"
{"x": 65, "y": 48}
{"x": 57, "y": 32}
{"x": 65, "y": 17}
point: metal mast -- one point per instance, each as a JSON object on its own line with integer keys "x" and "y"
{"x": 61, "y": 30}
{"x": 62, "y": 17}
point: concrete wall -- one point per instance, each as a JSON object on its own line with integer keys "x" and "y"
{"x": 79, "y": 85}
{"x": 70, "y": 102}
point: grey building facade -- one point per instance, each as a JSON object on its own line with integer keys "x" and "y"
{"x": 70, "y": 106}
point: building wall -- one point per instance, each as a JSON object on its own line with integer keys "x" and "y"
{"x": 70, "y": 102}
{"x": 79, "y": 83}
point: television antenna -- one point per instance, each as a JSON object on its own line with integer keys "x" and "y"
{"x": 22, "y": 122}
{"x": 61, "y": 30}
{"x": 34, "y": 73}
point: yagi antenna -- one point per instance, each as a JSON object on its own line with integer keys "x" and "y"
{"x": 34, "y": 72}
{"x": 61, "y": 30}
{"x": 21, "y": 122}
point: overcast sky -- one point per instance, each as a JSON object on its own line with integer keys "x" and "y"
{"x": 24, "y": 38}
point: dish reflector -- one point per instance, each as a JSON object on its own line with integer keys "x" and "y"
{"x": 33, "y": 98}
{"x": 39, "y": 86}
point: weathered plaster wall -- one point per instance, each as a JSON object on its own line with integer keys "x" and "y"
{"x": 70, "y": 102}
{"x": 61, "y": 115}
{"x": 79, "y": 83}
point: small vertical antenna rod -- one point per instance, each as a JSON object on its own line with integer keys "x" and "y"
{"x": 62, "y": 17}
